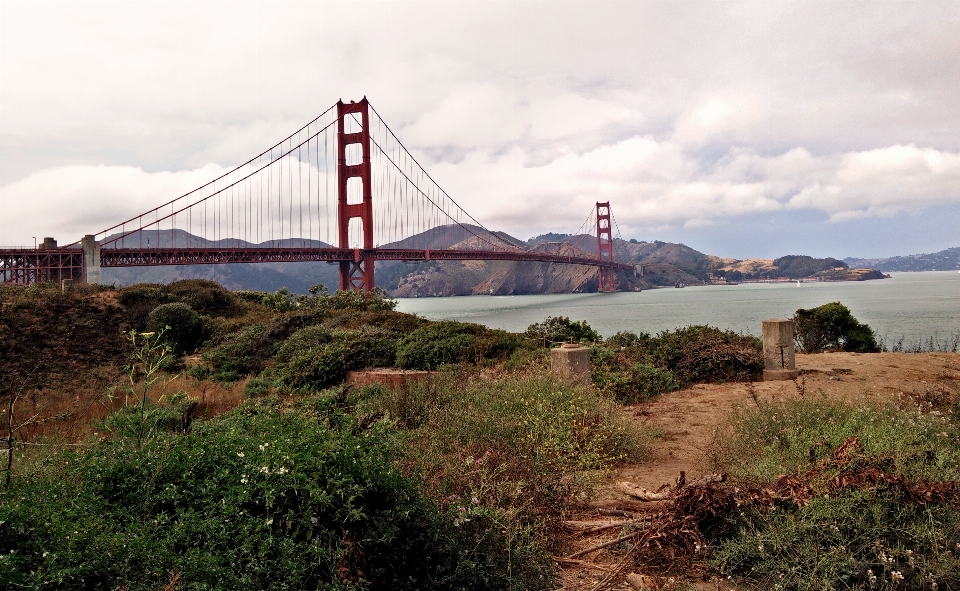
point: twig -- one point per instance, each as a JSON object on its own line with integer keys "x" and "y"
{"x": 583, "y": 563}
{"x": 603, "y": 545}
{"x": 665, "y": 494}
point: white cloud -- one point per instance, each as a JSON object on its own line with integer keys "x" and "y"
{"x": 680, "y": 114}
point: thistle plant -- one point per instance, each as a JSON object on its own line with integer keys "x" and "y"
{"x": 150, "y": 354}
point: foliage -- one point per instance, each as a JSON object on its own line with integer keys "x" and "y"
{"x": 246, "y": 354}
{"x": 561, "y": 329}
{"x": 206, "y": 297}
{"x": 449, "y": 342}
{"x": 181, "y": 326}
{"x": 636, "y": 382}
{"x": 139, "y": 418}
{"x": 831, "y": 327}
{"x": 634, "y": 367}
{"x": 625, "y": 338}
{"x": 866, "y": 537}
{"x": 283, "y": 300}
{"x": 257, "y": 499}
{"x": 315, "y": 357}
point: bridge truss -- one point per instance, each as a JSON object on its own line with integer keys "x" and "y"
{"x": 342, "y": 189}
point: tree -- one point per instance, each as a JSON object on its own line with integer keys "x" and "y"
{"x": 831, "y": 327}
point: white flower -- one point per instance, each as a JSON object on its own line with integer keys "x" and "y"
{"x": 270, "y": 521}
{"x": 896, "y": 576}
{"x": 265, "y": 470}
{"x": 243, "y": 479}
{"x": 314, "y": 520}
{"x": 239, "y": 454}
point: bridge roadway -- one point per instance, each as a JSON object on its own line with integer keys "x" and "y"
{"x": 27, "y": 265}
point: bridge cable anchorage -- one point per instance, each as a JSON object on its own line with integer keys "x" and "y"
{"x": 255, "y": 213}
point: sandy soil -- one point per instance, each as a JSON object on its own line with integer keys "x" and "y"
{"x": 689, "y": 419}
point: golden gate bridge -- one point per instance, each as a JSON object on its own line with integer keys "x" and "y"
{"x": 342, "y": 189}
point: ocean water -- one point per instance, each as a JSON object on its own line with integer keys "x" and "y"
{"x": 909, "y": 306}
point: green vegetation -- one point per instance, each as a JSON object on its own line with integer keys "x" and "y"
{"x": 856, "y": 530}
{"x": 455, "y": 480}
{"x": 635, "y": 367}
{"x": 831, "y": 327}
{"x": 561, "y": 329}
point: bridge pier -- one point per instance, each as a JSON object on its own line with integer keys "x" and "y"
{"x": 91, "y": 259}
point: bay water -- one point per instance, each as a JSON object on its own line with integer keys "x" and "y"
{"x": 912, "y": 307}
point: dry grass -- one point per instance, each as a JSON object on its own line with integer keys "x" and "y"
{"x": 71, "y": 413}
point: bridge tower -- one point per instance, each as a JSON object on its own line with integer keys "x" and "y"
{"x": 356, "y": 275}
{"x": 605, "y": 248}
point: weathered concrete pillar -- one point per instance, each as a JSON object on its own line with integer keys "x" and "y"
{"x": 91, "y": 259}
{"x": 48, "y": 243}
{"x": 571, "y": 360}
{"x": 779, "y": 362}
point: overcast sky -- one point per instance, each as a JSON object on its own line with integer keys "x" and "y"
{"x": 740, "y": 129}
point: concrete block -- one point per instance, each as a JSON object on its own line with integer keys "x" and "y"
{"x": 91, "y": 259}
{"x": 778, "y": 352}
{"x": 571, "y": 360}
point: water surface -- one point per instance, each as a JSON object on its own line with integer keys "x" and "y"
{"x": 912, "y": 306}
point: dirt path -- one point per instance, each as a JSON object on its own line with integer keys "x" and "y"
{"x": 687, "y": 421}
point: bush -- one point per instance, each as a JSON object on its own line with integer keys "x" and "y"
{"x": 638, "y": 382}
{"x": 206, "y": 297}
{"x": 186, "y": 327}
{"x": 672, "y": 359}
{"x": 256, "y": 499}
{"x": 446, "y": 342}
{"x": 317, "y": 358}
{"x": 831, "y": 327}
{"x": 561, "y": 329}
{"x": 246, "y": 354}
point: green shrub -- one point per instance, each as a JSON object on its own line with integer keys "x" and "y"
{"x": 561, "y": 329}
{"x": 869, "y": 537}
{"x": 317, "y": 358}
{"x": 438, "y": 343}
{"x": 831, "y": 327}
{"x": 140, "y": 299}
{"x": 672, "y": 359}
{"x": 638, "y": 382}
{"x": 185, "y": 326}
{"x": 246, "y": 354}
{"x": 206, "y": 297}
{"x": 256, "y": 499}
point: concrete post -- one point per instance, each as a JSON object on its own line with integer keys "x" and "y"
{"x": 779, "y": 362}
{"x": 48, "y": 243}
{"x": 571, "y": 360}
{"x": 91, "y": 259}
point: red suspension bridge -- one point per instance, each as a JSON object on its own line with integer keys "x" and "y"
{"x": 342, "y": 189}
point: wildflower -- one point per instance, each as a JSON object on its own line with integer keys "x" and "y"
{"x": 239, "y": 454}
{"x": 265, "y": 470}
{"x": 314, "y": 520}
{"x": 243, "y": 479}
{"x": 896, "y": 576}
{"x": 270, "y": 521}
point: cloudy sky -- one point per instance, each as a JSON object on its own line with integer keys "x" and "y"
{"x": 740, "y": 129}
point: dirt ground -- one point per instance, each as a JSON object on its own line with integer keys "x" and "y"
{"x": 688, "y": 420}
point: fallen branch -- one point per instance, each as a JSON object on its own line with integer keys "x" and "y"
{"x": 574, "y": 562}
{"x": 664, "y": 494}
{"x": 606, "y": 544}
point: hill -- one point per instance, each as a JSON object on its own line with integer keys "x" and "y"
{"x": 945, "y": 260}
{"x": 659, "y": 264}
